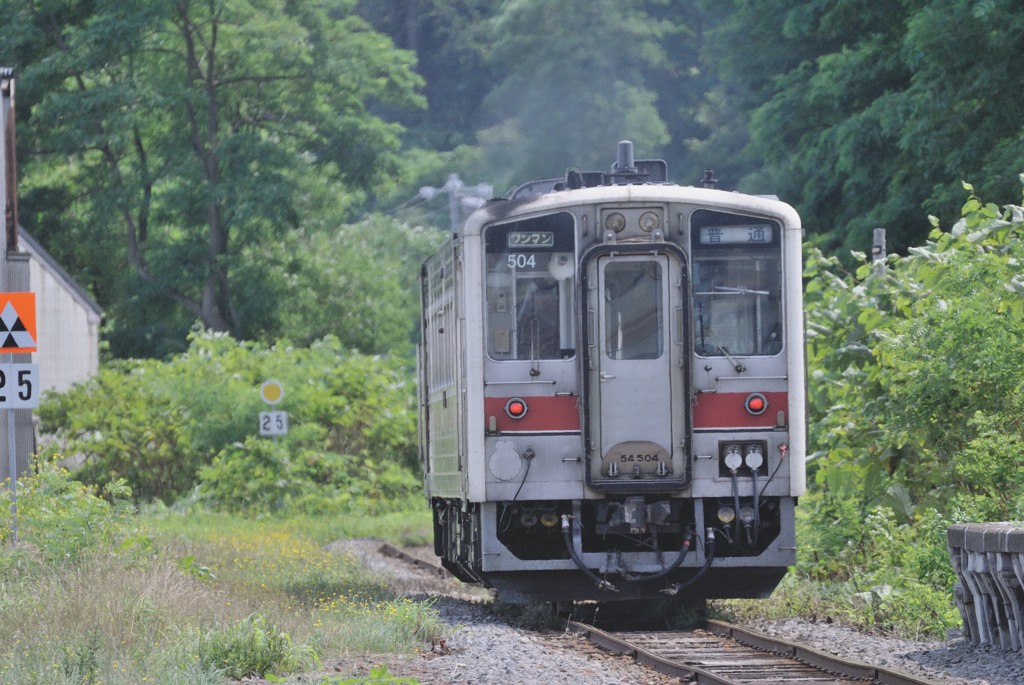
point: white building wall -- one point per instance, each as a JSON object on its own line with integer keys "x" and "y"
{"x": 67, "y": 331}
{"x": 67, "y": 321}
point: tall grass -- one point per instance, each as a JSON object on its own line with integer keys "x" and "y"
{"x": 908, "y": 610}
{"x": 187, "y": 599}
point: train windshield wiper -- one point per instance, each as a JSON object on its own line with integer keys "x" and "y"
{"x": 740, "y": 290}
{"x": 705, "y": 332}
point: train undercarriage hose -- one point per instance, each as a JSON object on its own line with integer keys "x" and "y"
{"x": 639, "y": 577}
{"x": 709, "y": 556}
{"x": 605, "y": 585}
{"x": 567, "y": 537}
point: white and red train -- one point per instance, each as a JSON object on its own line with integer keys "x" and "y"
{"x": 612, "y": 389}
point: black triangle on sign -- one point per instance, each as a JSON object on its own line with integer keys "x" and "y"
{"x": 3, "y": 325}
{"x": 18, "y": 325}
{"x": 10, "y": 341}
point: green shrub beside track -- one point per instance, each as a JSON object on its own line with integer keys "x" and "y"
{"x": 168, "y": 428}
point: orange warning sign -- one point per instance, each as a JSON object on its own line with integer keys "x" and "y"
{"x": 17, "y": 323}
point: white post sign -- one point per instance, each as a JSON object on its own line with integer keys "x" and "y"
{"x": 19, "y": 386}
{"x": 273, "y": 423}
{"x": 19, "y": 383}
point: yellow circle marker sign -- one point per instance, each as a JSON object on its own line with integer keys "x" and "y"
{"x": 271, "y": 392}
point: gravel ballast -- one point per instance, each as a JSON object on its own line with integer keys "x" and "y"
{"x": 482, "y": 649}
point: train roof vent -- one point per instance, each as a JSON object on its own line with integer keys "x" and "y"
{"x": 624, "y": 171}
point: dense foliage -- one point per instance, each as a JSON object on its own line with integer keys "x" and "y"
{"x": 916, "y": 396}
{"x": 869, "y": 115}
{"x": 519, "y": 89}
{"x": 221, "y": 161}
{"x": 172, "y": 147}
{"x": 62, "y": 519}
{"x": 191, "y": 160}
{"x": 166, "y": 427}
{"x": 860, "y": 115}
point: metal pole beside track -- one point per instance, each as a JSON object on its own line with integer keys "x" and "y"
{"x": 13, "y": 454}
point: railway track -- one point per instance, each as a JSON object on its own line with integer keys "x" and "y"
{"x": 719, "y": 653}
{"x": 723, "y": 654}
{"x": 389, "y": 550}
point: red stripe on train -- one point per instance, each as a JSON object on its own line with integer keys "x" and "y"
{"x": 728, "y": 410}
{"x": 559, "y": 413}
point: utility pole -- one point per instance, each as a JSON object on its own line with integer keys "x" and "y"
{"x": 16, "y": 434}
{"x": 878, "y": 251}
{"x": 459, "y": 195}
{"x": 8, "y": 167}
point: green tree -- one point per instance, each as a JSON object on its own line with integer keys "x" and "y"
{"x": 480, "y": 61}
{"x": 868, "y": 114}
{"x": 182, "y": 135}
{"x": 452, "y": 42}
{"x": 740, "y": 51}
{"x": 360, "y": 283}
{"x": 571, "y": 86}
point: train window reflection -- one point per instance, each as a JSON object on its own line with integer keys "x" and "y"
{"x": 633, "y": 310}
{"x": 737, "y": 285}
{"x": 531, "y": 276}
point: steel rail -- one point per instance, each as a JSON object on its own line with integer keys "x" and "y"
{"x": 814, "y": 657}
{"x": 647, "y": 658}
{"x": 389, "y": 550}
{"x": 822, "y": 661}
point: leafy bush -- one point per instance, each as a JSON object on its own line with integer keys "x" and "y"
{"x": 915, "y": 396}
{"x": 62, "y": 518}
{"x": 916, "y": 411}
{"x": 252, "y": 647}
{"x": 261, "y": 476}
{"x": 157, "y": 425}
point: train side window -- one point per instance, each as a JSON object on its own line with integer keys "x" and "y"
{"x": 737, "y": 285}
{"x": 530, "y": 291}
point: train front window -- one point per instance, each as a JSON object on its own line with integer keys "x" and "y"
{"x": 633, "y": 310}
{"x": 737, "y": 285}
{"x": 531, "y": 276}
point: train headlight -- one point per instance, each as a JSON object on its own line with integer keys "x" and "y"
{"x": 746, "y": 513}
{"x": 726, "y": 514}
{"x": 649, "y": 221}
{"x": 614, "y": 222}
{"x": 528, "y": 519}
{"x": 516, "y": 408}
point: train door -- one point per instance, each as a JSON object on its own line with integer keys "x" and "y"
{"x": 636, "y": 401}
